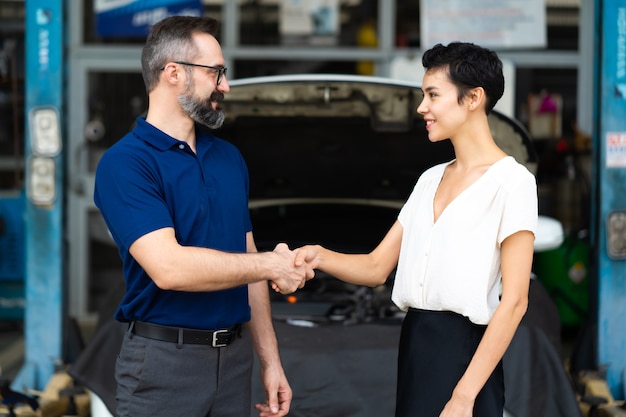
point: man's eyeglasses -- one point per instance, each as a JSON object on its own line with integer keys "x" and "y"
{"x": 221, "y": 71}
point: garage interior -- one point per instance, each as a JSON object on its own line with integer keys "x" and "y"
{"x": 340, "y": 162}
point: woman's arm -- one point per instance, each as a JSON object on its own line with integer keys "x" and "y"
{"x": 516, "y": 264}
{"x": 370, "y": 269}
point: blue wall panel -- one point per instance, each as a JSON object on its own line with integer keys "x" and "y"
{"x": 611, "y": 192}
{"x": 44, "y": 289}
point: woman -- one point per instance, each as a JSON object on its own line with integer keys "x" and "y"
{"x": 467, "y": 227}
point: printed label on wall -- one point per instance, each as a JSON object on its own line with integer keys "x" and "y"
{"x": 616, "y": 149}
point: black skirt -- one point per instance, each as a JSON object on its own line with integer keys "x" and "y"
{"x": 436, "y": 348}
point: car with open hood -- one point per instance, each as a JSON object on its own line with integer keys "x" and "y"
{"x": 332, "y": 159}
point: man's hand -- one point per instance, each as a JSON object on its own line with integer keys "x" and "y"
{"x": 291, "y": 274}
{"x": 277, "y": 394}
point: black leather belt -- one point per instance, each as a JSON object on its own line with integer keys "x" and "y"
{"x": 215, "y": 338}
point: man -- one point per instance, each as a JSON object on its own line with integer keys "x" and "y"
{"x": 175, "y": 199}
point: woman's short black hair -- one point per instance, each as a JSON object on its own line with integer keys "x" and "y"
{"x": 469, "y": 66}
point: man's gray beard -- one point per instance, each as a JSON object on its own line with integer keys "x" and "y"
{"x": 201, "y": 111}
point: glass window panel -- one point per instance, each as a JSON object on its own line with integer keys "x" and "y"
{"x": 115, "y": 100}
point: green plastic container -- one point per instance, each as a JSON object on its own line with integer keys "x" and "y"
{"x": 564, "y": 272}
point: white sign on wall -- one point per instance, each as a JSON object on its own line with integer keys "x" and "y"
{"x": 495, "y": 24}
{"x": 309, "y": 17}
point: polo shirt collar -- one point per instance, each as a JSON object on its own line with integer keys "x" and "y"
{"x": 161, "y": 140}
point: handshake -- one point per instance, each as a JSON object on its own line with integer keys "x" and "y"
{"x": 293, "y": 267}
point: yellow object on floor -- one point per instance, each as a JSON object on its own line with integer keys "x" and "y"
{"x": 597, "y": 396}
{"x": 53, "y": 402}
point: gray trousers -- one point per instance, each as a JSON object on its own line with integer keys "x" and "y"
{"x": 156, "y": 378}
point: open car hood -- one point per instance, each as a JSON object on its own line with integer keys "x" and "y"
{"x": 389, "y": 105}
{"x": 332, "y": 158}
{"x": 341, "y": 136}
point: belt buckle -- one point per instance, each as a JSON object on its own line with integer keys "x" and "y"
{"x": 214, "y": 342}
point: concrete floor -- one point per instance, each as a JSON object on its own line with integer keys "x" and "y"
{"x": 12, "y": 346}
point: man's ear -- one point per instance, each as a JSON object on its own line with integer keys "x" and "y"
{"x": 171, "y": 72}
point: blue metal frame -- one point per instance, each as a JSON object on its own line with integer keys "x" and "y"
{"x": 610, "y": 188}
{"x": 44, "y": 289}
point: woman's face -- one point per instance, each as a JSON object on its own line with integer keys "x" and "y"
{"x": 443, "y": 114}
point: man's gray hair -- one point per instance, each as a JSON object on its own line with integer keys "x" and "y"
{"x": 171, "y": 39}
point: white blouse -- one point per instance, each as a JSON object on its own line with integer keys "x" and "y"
{"x": 454, "y": 264}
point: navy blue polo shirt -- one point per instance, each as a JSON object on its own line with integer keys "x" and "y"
{"x": 149, "y": 180}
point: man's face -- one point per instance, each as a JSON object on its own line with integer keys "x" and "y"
{"x": 201, "y": 110}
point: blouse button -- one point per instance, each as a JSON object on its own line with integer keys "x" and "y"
{"x": 181, "y": 146}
